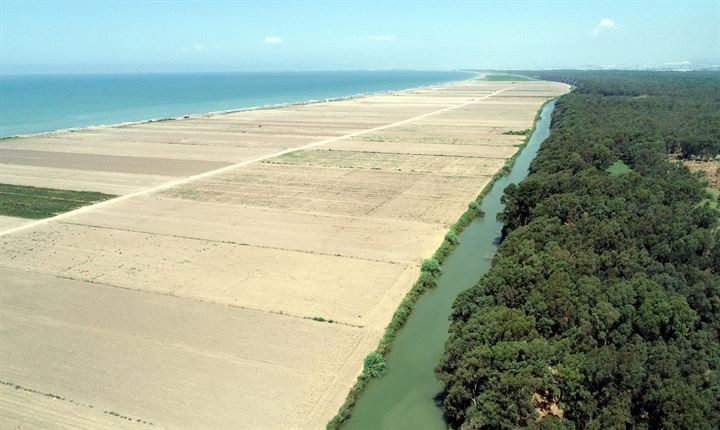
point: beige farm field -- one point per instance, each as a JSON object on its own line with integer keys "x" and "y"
{"x": 189, "y": 300}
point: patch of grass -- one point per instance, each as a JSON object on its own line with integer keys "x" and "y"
{"x": 506, "y": 77}
{"x": 618, "y": 168}
{"x": 36, "y": 203}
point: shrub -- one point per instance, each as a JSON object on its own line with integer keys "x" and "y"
{"x": 427, "y": 280}
{"x": 374, "y": 365}
{"x": 452, "y": 237}
{"x": 431, "y": 266}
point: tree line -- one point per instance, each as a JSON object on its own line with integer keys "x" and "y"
{"x": 602, "y": 306}
{"x": 681, "y": 110}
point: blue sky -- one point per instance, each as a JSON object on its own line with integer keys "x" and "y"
{"x": 141, "y": 36}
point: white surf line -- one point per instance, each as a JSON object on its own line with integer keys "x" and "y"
{"x": 230, "y": 167}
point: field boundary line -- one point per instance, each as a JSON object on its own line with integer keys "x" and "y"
{"x": 134, "y": 420}
{"x": 201, "y": 300}
{"x": 231, "y": 167}
{"x": 236, "y": 243}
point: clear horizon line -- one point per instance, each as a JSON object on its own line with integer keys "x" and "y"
{"x": 657, "y": 68}
{"x": 158, "y": 72}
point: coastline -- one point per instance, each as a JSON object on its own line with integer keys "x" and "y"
{"x": 210, "y": 114}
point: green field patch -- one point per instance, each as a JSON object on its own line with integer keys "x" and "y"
{"x": 36, "y": 203}
{"x": 618, "y": 168}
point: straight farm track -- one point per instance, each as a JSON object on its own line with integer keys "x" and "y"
{"x": 199, "y": 297}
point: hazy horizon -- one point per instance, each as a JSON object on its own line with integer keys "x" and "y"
{"x": 165, "y": 37}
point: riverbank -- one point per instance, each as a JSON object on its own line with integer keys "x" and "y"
{"x": 407, "y": 395}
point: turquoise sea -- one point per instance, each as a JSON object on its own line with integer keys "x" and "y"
{"x": 40, "y": 103}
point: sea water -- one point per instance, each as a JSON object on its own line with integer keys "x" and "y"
{"x": 43, "y": 103}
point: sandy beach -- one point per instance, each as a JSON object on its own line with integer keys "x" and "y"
{"x": 192, "y": 299}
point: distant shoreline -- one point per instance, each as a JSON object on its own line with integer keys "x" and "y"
{"x": 478, "y": 75}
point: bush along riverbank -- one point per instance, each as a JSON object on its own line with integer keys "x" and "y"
{"x": 602, "y": 305}
{"x": 430, "y": 270}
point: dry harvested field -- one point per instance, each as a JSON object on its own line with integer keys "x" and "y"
{"x": 711, "y": 169}
{"x": 196, "y": 298}
{"x": 374, "y": 193}
{"x": 8, "y": 222}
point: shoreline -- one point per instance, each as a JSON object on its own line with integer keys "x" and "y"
{"x": 211, "y": 114}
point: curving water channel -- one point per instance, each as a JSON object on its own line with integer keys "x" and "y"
{"x": 407, "y": 397}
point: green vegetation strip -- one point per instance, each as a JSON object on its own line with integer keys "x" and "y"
{"x": 374, "y": 365}
{"x": 518, "y": 132}
{"x": 601, "y": 307}
{"x": 36, "y": 203}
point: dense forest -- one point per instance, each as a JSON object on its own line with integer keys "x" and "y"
{"x": 676, "y": 110}
{"x": 602, "y": 306}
